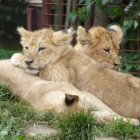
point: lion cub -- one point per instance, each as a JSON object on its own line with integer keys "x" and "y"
{"x": 101, "y": 44}
{"x": 52, "y": 58}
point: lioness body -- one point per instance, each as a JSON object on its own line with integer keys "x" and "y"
{"x": 51, "y": 96}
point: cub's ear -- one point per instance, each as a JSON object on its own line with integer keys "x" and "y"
{"x": 71, "y": 99}
{"x": 82, "y": 35}
{"x": 116, "y": 33}
{"x": 48, "y": 32}
{"x": 71, "y": 31}
{"x": 61, "y": 39}
{"x": 64, "y": 36}
{"x": 23, "y": 32}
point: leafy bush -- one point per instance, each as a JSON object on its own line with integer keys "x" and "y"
{"x": 130, "y": 62}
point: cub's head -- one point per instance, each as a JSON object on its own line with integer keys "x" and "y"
{"x": 61, "y": 103}
{"x": 42, "y": 47}
{"x": 100, "y": 44}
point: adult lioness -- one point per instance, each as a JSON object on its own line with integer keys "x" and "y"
{"x": 100, "y": 44}
{"x": 52, "y": 96}
{"x": 55, "y": 60}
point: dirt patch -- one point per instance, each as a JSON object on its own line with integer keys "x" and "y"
{"x": 37, "y": 129}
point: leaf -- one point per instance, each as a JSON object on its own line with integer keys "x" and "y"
{"x": 128, "y": 23}
{"x": 136, "y": 24}
{"x": 89, "y": 1}
{"x": 117, "y": 11}
{"x": 72, "y": 17}
{"x": 114, "y": 12}
{"x": 105, "y": 2}
{"x": 99, "y": 3}
{"x": 88, "y": 7}
{"x": 128, "y": 67}
{"x": 125, "y": 22}
{"x": 82, "y": 15}
{"x": 81, "y": 1}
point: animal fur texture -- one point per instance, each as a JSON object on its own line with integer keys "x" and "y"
{"x": 100, "y": 44}
{"x": 55, "y": 97}
{"x": 55, "y": 60}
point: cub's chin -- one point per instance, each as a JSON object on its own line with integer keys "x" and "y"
{"x": 32, "y": 71}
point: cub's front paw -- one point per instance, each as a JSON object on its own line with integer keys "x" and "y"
{"x": 17, "y": 59}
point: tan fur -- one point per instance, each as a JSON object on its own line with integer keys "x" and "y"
{"x": 50, "y": 96}
{"x": 100, "y": 44}
{"x": 60, "y": 62}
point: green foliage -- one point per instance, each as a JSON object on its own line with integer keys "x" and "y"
{"x": 129, "y": 61}
{"x": 5, "y": 93}
{"x": 112, "y": 8}
{"x": 122, "y": 130}
{"x": 81, "y": 13}
{"x": 4, "y": 54}
{"x": 78, "y": 126}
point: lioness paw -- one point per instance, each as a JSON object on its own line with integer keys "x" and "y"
{"x": 17, "y": 59}
{"x": 134, "y": 121}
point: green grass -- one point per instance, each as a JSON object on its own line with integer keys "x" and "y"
{"x": 4, "y": 54}
{"x": 78, "y": 126}
{"x": 122, "y": 130}
{"x": 14, "y": 115}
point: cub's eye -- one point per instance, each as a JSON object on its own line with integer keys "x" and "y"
{"x": 107, "y": 50}
{"x": 26, "y": 48}
{"x": 41, "y": 49}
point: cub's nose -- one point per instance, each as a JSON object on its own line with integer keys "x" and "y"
{"x": 28, "y": 62}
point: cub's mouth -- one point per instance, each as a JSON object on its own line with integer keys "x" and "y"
{"x": 32, "y": 71}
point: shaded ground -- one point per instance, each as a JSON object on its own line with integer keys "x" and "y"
{"x": 39, "y": 129}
